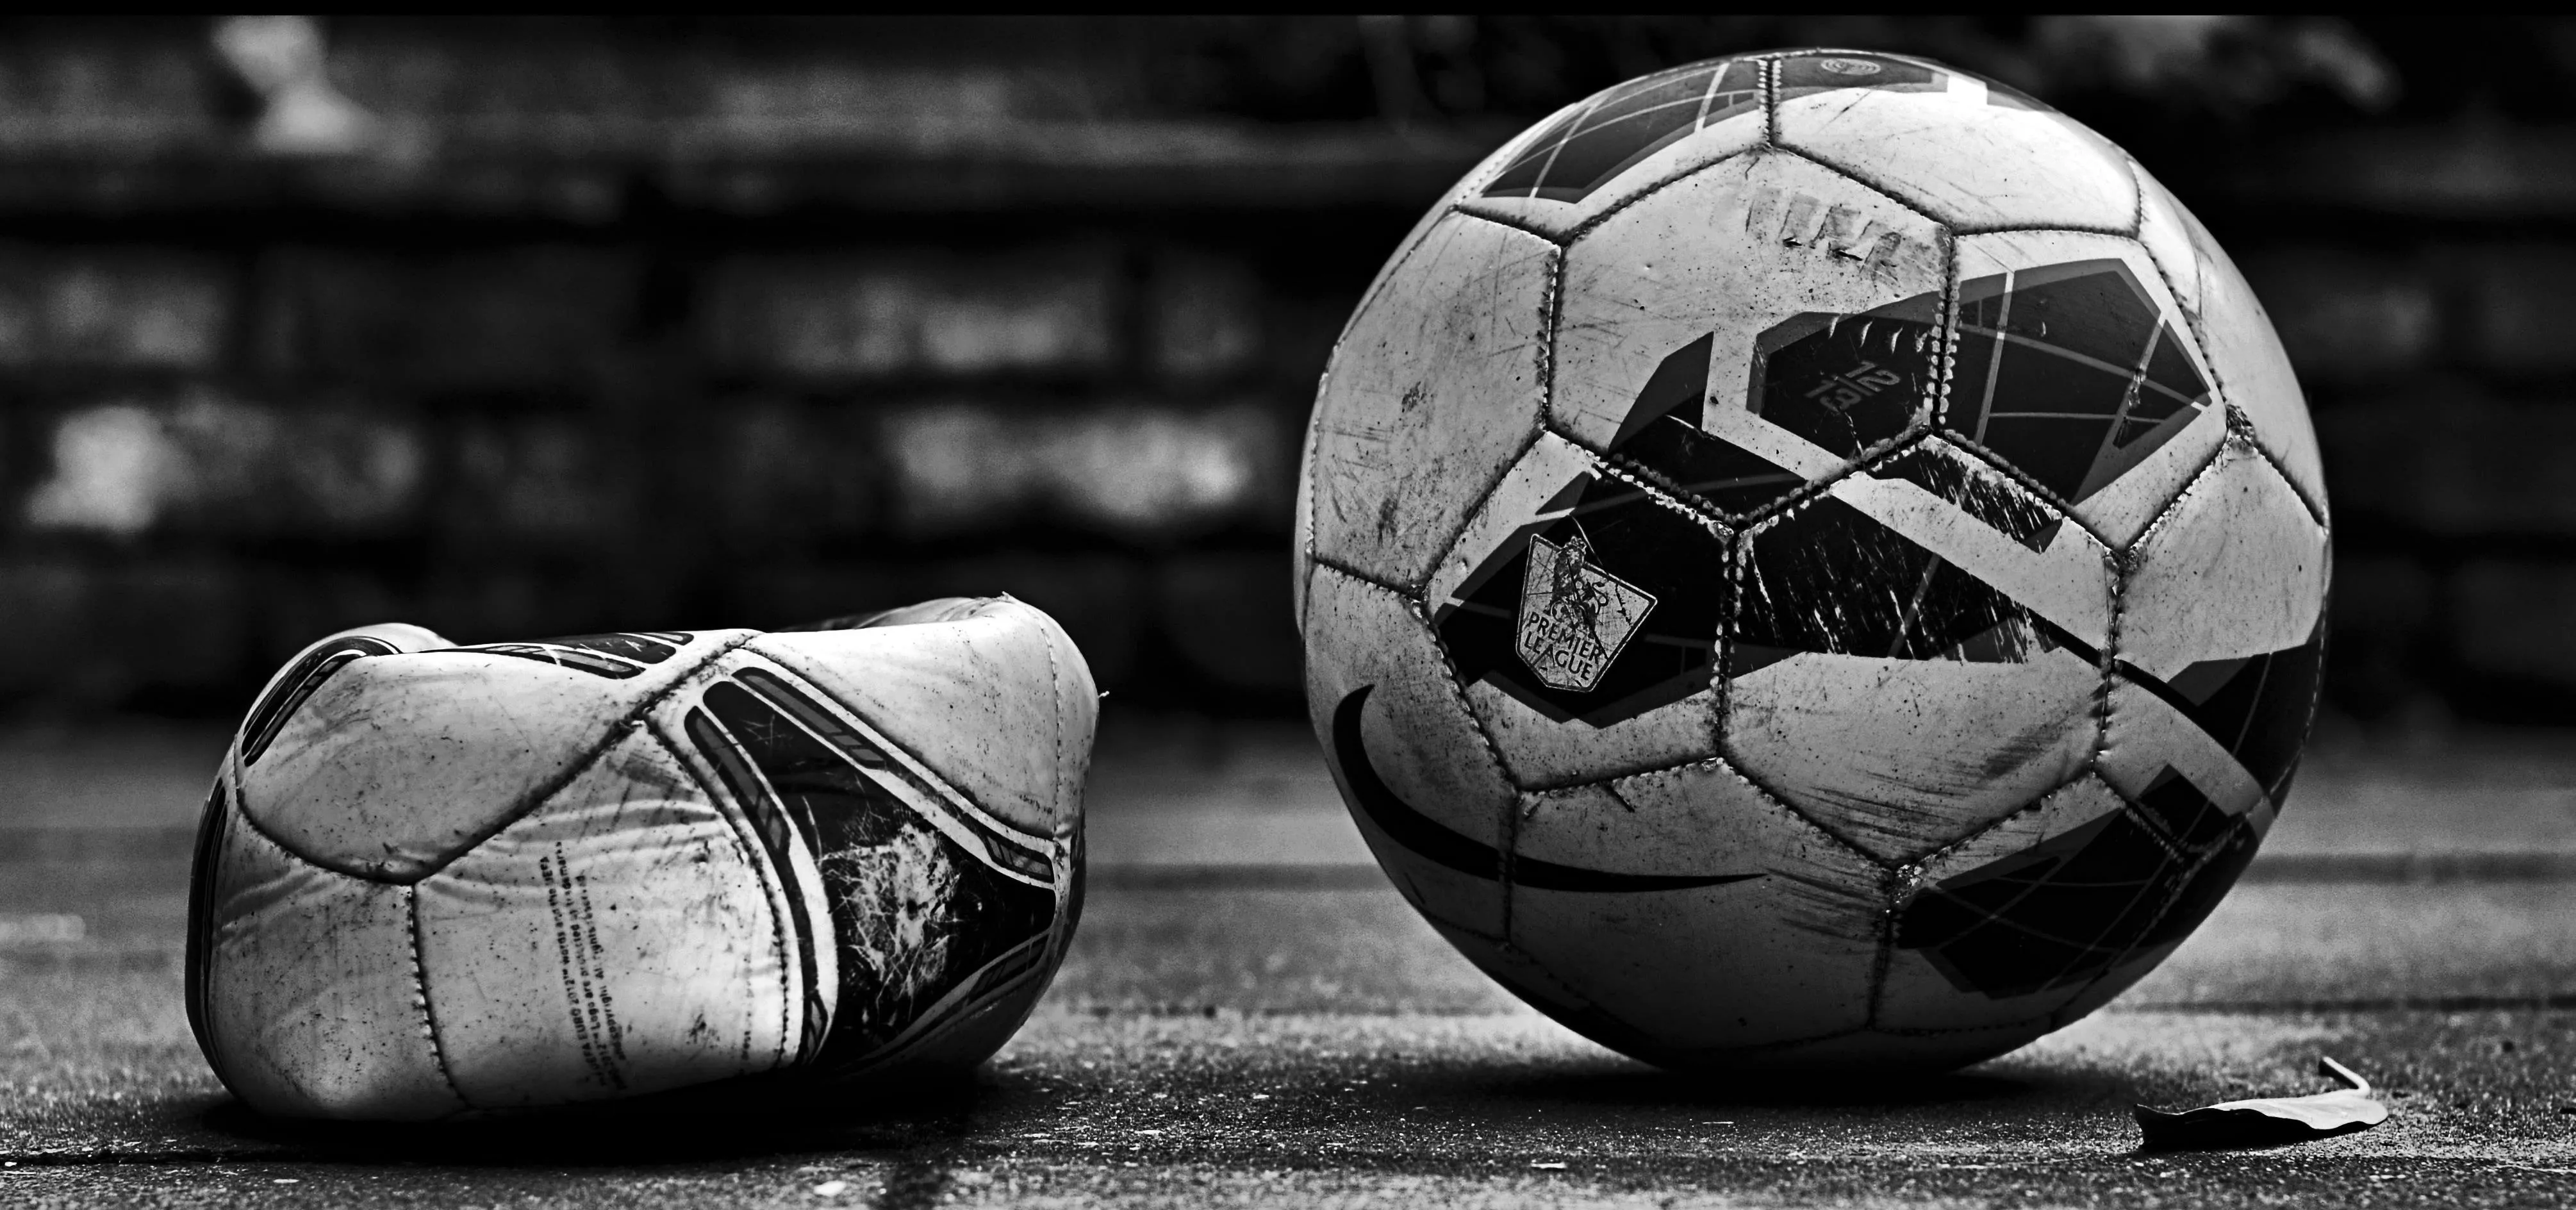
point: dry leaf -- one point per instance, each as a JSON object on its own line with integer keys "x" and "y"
{"x": 2267, "y": 1122}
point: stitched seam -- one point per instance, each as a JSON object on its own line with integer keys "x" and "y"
{"x": 1771, "y": 102}
{"x": 527, "y": 805}
{"x": 773, "y": 883}
{"x": 420, "y": 998}
{"x": 2164, "y": 516}
{"x": 1508, "y": 851}
{"x": 1966, "y": 230}
{"x": 1055, "y": 678}
{"x": 1615, "y": 209}
{"x": 1349, "y": 572}
{"x": 1872, "y": 186}
{"x": 1469, "y": 208}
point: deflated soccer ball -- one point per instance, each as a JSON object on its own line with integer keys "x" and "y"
{"x": 436, "y": 879}
{"x": 1811, "y": 559}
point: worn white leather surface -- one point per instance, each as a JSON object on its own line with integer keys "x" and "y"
{"x": 460, "y": 880}
{"x": 314, "y": 1002}
{"x": 999, "y": 704}
{"x": 397, "y": 763}
{"x": 620, "y": 939}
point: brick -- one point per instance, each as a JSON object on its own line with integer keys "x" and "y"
{"x": 786, "y": 475}
{"x": 2453, "y": 461}
{"x": 534, "y": 480}
{"x": 2518, "y": 307}
{"x": 2381, "y": 624}
{"x": 98, "y": 632}
{"x": 1228, "y": 614}
{"x": 204, "y": 462}
{"x": 1135, "y": 471}
{"x": 1206, "y": 315}
{"x": 2347, "y": 317}
{"x": 510, "y": 319}
{"x": 170, "y": 626}
{"x": 46, "y": 603}
{"x": 136, "y": 309}
{"x": 475, "y": 598}
{"x": 1051, "y": 311}
{"x": 294, "y": 605}
{"x": 2510, "y": 620}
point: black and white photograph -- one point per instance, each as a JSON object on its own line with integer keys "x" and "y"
{"x": 1287, "y": 610}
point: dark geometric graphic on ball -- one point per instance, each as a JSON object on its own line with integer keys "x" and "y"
{"x": 1830, "y": 580}
{"x": 1801, "y": 75}
{"x": 1829, "y": 71}
{"x": 1429, "y": 839}
{"x": 1661, "y": 440}
{"x": 917, "y": 914}
{"x": 2070, "y": 373}
{"x": 297, "y": 684}
{"x": 2257, "y": 707}
{"x": 1585, "y": 150}
{"x": 2071, "y": 908}
{"x": 1975, "y": 489}
{"x": 1605, "y": 606}
{"x": 616, "y": 656}
{"x": 1848, "y": 382}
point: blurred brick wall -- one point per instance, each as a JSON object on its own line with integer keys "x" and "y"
{"x": 665, "y": 323}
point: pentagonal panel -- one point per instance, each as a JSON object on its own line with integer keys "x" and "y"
{"x": 1985, "y": 524}
{"x": 1622, "y": 142}
{"x": 1977, "y": 941}
{"x": 1690, "y": 908}
{"x": 1916, "y": 653}
{"x": 1581, "y": 609}
{"x": 2222, "y": 616}
{"x": 367, "y": 777}
{"x": 2068, "y": 908}
{"x": 2150, "y": 737}
{"x": 998, "y": 705}
{"x": 1422, "y": 784}
{"x": 1969, "y": 152}
{"x": 2245, "y": 356}
{"x": 1471, "y": 185}
{"x": 1755, "y": 324}
{"x": 2076, "y": 368}
{"x": 620, "y": 939}
{"x": 1434, "y": 388}
{"x": 312, "y": 1004}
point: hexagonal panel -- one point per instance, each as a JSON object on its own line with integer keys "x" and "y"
{"x": 2076, "y": 368}
{"x": 1468, "y": 186}
{"x": 1433, "y": 391}
{"x": 2222, "y": 617}
{"x": 1618, "y": 143}
{"x": 1423, "y": 787}
{"x": 2252, "y": 371}
{"x": 1966, "y": 151}
{"x": 1916, "y": 653}
{"x": 1760, "y": 319}
{"x": 1986, "y": 525}
{"x": 1780, "y": 950}
{"x": 2078, "y": 891}
{"x": 1966, "y": 953}
{"x": 1581, "y": 609}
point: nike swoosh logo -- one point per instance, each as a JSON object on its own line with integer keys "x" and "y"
{"x": 1427, "y": 838}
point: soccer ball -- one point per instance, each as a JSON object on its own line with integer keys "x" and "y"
{"x": 1811, "y": 559}
{"x": 436, "y": 880}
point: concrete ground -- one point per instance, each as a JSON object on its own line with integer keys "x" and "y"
{"x": 1250, "y": 1015}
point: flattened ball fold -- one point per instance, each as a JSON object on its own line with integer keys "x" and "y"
{"x": 436, "y": 880}
{"x": 1811, "y": 559}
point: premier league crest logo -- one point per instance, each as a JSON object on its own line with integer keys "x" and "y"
{"x": 1575, "y": 618}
